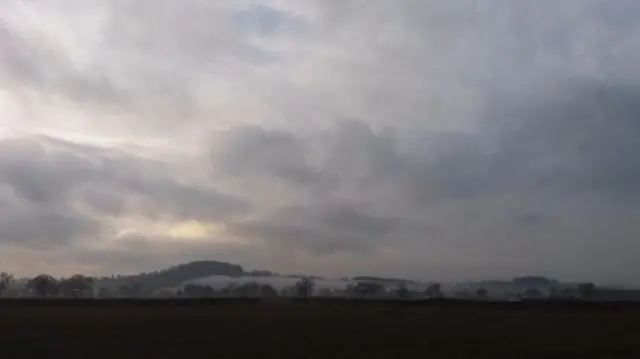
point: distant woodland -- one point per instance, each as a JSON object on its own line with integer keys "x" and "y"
{"x": 211, "y": 279}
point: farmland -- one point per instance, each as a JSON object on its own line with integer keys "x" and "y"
{"x": 282, "y": 328}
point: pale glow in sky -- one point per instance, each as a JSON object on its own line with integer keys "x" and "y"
{"x": 429, "y": 139}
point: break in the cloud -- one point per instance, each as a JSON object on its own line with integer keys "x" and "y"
{"x": 428, "y": 139}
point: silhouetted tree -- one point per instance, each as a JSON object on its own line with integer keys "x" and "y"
{"x": 207, "y": 291}
{"x": 463, "y": 294}
{"x": 5, "y": 280}
{"x": 304, "y": 288}
{"x": 532, "y": 293}
{"x": 517, "y": 296}
{"x": 229, "y": 290}
{"x": 43, "y": 286}
{"x": 105, "y": 293}
{"x": 586, "y": 290}
{"x": 165, "y": 293}
{"x": 268, "y": 291}
{"x": 325, "y": 292}
{"x": 77, "y": 286}
{"x": 191, "y": 290}
{"x": 434, "y": 291}
{"x": 482, "y": 294}
{"x": 568, "y": 293}
{"x": 133, "y": 289}
{"x": 402, "y": 292}
{"x": 369, "y": 289}
{"x": 197, "y": 291}
{"x": 285, "y": 292}
{"x": 248, "y": 290}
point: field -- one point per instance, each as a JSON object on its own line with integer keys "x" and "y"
{"x": 317, "y": 329}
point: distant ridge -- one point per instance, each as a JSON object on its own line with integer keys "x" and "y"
{"x": 178, "y": 274}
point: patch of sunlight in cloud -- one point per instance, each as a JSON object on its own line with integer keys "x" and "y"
{"x": 196, "y": 229}
{"x": 169, "y": 230}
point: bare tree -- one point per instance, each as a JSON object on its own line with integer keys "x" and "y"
{"x": 43, "y": 286}
{"x": 325, "y": 292}
{"x": 268, "y": 291}
{"x": 248, "y": 290}
{"x": 482, "y": 294}
{"x": 434, "y": 291}
{"x": 586, "y": 290}
{"x": 304, "y": 288}
{"x": 132, "y": 289}
{"x": 402, "y": 292}
{"x": 5, "y": 280}
{"x": 193, "y": 290}
{"x": 77, "y": 286}
{"x": 105, "y": 293}
{"x": 370, "y": 290}
{"x": 532, "y": 293}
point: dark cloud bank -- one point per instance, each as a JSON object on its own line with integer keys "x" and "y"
{"x": 550, "y": 185}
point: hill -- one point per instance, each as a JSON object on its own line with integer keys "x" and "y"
{"x": 174, "y": 276}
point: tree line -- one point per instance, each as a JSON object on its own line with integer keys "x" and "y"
{"x": 82, "y": 287}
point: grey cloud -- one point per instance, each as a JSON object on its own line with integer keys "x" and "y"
{"x": 531, "y": 183}
{"x": 193, "y": 34}
{"x": 435, "y": 63}
{"x": 43, "y": 226}
{"x": 253, "y": 150}
{"x": 39, "y": 175}
{"x": 266, "y": 20}
{"x": 162, "y": 195}
{"x": 352, "y": 161}
{"x": 32, "y": 62}
{"x": 321, "y": 227}
{"x": 103, "y": 200}
{"x": 145, "y": 60}
{"x": 46, "y": 178}
{"x": 580, "y": 139}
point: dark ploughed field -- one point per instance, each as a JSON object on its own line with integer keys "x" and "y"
{"x": 317, "y": 329}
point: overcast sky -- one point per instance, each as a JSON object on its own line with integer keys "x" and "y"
{"x": 429, "y": 139}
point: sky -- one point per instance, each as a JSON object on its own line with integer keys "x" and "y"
{"x": 425, "y": 139}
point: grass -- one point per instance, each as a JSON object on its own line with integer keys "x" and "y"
{"x": 282, "y": 328}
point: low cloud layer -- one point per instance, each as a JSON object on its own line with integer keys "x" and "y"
{"x": 426, "y": 139}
